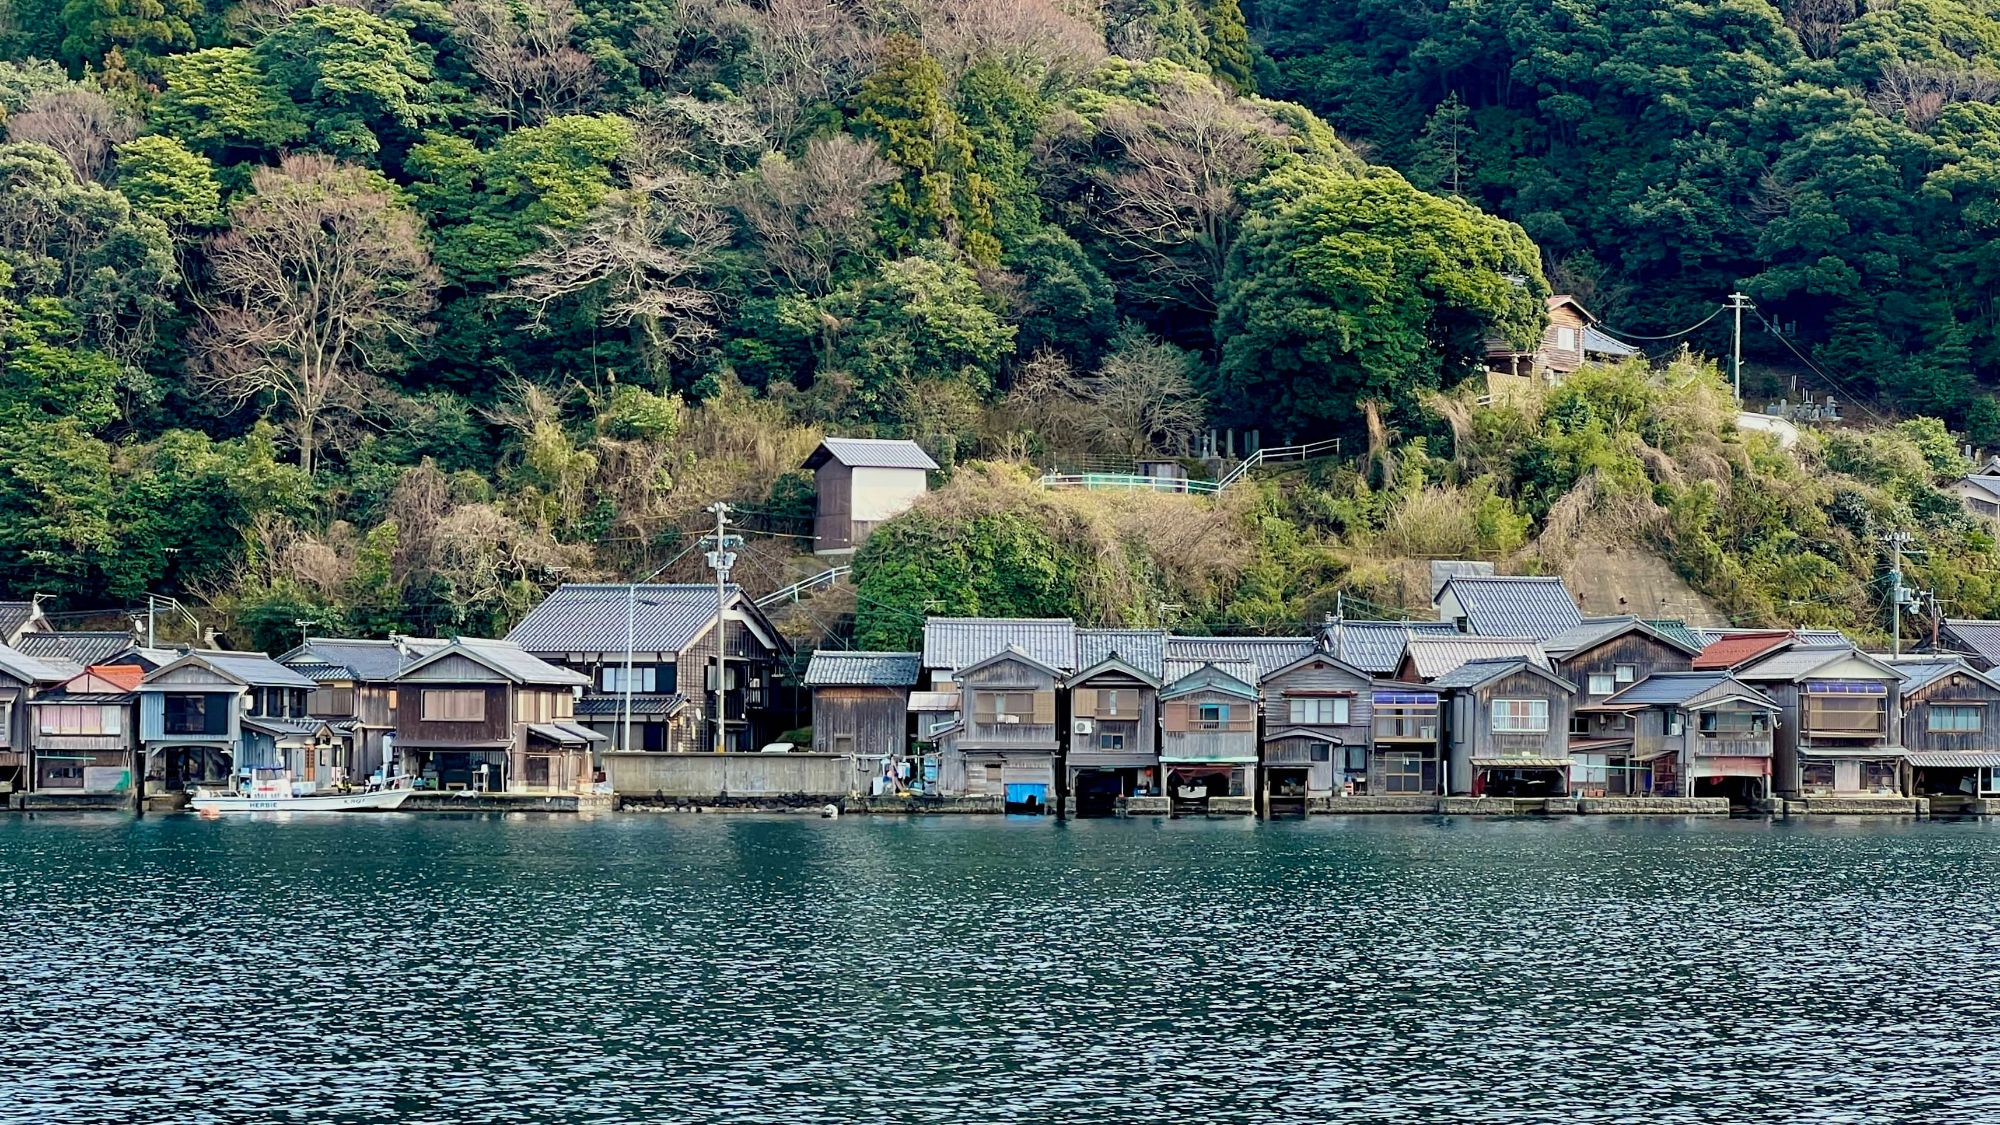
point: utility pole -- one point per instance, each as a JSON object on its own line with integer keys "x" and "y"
{"x": 1737, "y": 303}
{"x": 1897, "y": 541}
{"x": 721, "y": 559}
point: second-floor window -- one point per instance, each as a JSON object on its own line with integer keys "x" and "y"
{"x": 1956, "y": 718}
{"x": 82, "y": 718}
{"x": 196, "y": 714}
{"x": 1734, "y": 724}
{"x": 1319, "y": 712}
{"x": 1109, "y": 740}
{"x": 1011, "y": 708}
{"x": 1846, "y": 708}
{"x": 1211, "y": 716}
{"x": 454, "y": 705}
{"x": 643, "y": 677}
{"x": 1521, "y": 716}
{"x": 1601, "y": 683}
{"x": 1625, "y": 673}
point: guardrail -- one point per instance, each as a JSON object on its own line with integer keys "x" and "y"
{"x": 791, "y": 593}
{"x": 1135, "y": 482}
{"x": 1279, "y": 453}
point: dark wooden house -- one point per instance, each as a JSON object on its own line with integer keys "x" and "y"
{"x": 487, "y": 715}
{"x": 861, "y": 707}
{"x": 1506, "y": 729}
{"x": 1840, "y": 725}
{"x": 1208, "y": 736}
{"x": 1677, "y": 734}
{"x": 860, "y": 482}
{"x": 85, "y": 734}
{"x": 354, "y": 692}
{"x": 1005, "y": 742}
{"x": 1951, "y": 729}
{"x": 649, "y": 654}
{"x": 21, "y": 677}
{"x": 1113, "y": 751}
{"x": 1318, "y": 712}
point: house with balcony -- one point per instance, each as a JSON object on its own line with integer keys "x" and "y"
{"x": 1113, "y": 750}
{"x": 22, "y": 677}
{"x": 1506, "y": 728}
{"x": 651, "y": 655}
{"x": 488, "y": 716}
{"x": 354, "y": 693}
{"x": 1317, "y": 715}
{"x": 1951, "y": 729}
{"x": 1405, "y": 739}
{"x": 1208, "y": 736}
{"x": 205, "y": 717}
{"x": 1677, "y": 734}
{"x": 84, "y": 734}
{"x": 1839, "y": 731}
{"x": 1005, "y": 742}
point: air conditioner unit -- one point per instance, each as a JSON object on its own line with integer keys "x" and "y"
{"x": 1084, "y": 726}
{"x": 1015, "y": 719}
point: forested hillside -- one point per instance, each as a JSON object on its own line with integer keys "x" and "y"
{"x": 1837, "y": 159}
{"x": 390, "y": 314}
{"x": 387, "y": 314}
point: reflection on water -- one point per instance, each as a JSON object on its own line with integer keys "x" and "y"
{"x": 431, "y": 969}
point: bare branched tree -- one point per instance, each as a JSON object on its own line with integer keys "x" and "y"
{"x": 1047, "y": 43}
{"x": 807, "y": 53}
{"x": 1916, "y": 95}
{"x": 1143, "y": 401}
{"x": 320, "y": 285}
{"x": 1818, "y": 23}
{"x": 679, "y": 133}
{"x": 641, "y": 254}
{"x": 1169, "y": 202}
{"x": 523, "y": 52}
{"x": 81, "y": 124}
{"x": 806, "y": 214}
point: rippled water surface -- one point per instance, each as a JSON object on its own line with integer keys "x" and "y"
{"x": 667, "y": 969}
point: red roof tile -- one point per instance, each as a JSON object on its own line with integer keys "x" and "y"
{"x": 126, "y": 676}
{"x": 1732, "y": 650}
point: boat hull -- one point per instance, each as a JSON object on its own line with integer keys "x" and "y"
{"x": 381, "y": 800}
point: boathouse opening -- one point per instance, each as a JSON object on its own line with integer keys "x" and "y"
{"x": 1742, "y": 792}
{"x": 1522, "y": 782}
{"x": 1192, "y": 787}
{"x": 1286, "y": 790}
{"x": 1098, "y": 792}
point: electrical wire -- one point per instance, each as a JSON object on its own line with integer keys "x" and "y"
{"x": 1853, "y": 396}
{"x": 1719, "y": 310}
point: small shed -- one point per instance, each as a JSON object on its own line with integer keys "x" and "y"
{"x": 860, "y": 482}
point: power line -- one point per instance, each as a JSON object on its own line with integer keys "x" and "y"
{"x": 1852, "y": 395}
{"x": 1719, "y": 310}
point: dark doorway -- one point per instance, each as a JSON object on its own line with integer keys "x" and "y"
{"x": 1285, "y": 791}
{"x": 1099, "y": 791}
{"x": 1742, "y": 792}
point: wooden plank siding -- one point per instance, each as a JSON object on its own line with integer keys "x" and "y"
{"x": 1115, "y": 703}
{"x": 873, "y": 721}
{"x": 412, "y": 731}
{"x": 833, "y": 514}
{"x": 1951, "y": 688}
{"x": 1648, "y": 656}
{"x": 1470, "y": 725}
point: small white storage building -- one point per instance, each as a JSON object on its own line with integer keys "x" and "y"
{"x": 861, "y": 482}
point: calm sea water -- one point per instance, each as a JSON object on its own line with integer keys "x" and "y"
{"x": 710, "y": 969}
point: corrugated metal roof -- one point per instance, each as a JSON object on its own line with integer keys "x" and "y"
{"x": 1951, "y": 759}
{"x": 1434, "y": 656}
{"x": 509, "y": 660}
{"x": 1595, "y": 631}
{"x": 30, "y": 670}
{"x": 1679, "y": 631}
{"x": 1472, "y": 673}
{"x": 960, "y": 642}
{"x": 598, "y": 705}
{"x": 871, "y": 453}
{"x": 1144, "y": 649}
{"x": 934, "y": 701}
{"x": 1514, "y": 606}
{"x": 284, "y": 728}
{"x": 1727, "y": 650}
{"x": 1262, "y": 654}
{"x": 84, "y": 648}
{"x": 1672, "y": 688}
{"x": 862, "y": 669}
{"x": 1919, "y": 674}
{"x": 1597, "y": 342}
{"x": 374, "y": 661}
{"x": 591, "y": 617}
{"x": 565, "y": 734}
{"x": 1376, "y": 647}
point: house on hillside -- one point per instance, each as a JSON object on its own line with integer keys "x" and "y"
{"x": 83, "y": 649}
{"x": 1677, "y": 734}
{"x": 1114, "y": 718}
{"x": 1951, "y": 712}
{"x": 84, "y": 737}
{"x": 859, "y": 483}
{"x": 1572, "y": 338}
{"x": 354, "y": 692}
{"x": 861, "y": 708}
{"x": 489, "y": 716}
{"x": 1506, "y": 728}
{"x": 17, "y": 619}
{"x": 1977, "y": 641}
{"x": 1005, "y": 741}
{"x": 649, "y": 655}
{"x": 1507, "y": 606}
{"x": 206, "y": 716}
{"x": 1318, "y": 713}
{"x": 1208, "y": 736}
{"x": 1980, "y": 491}
{"x": 21, "y": 677}
{"x": 1840, "y": 723}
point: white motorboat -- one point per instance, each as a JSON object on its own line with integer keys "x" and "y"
{"x": 271, "y": 790}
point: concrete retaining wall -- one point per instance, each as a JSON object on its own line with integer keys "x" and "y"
{"x": 947, "y": 806}
{"x": 737, "y": 775}
{"x": 1382, "y": 803}
{"x": 1653, "y": 806}
{"x": 70, "y": 802}
{"x": 1964, "y": 806}
{"x": 506, "y": 802}
{"x": 1856, "y": 806}
{"x": 1149, "y": 806}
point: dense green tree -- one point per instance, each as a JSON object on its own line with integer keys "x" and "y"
{"x": 218, "y": 102}
{"x": 143, "y": 27}
{"x": 920, "y": 319}
{"x": 1347, "y": 289}
{"x": 166, "y": 180}
{"x": 1229, "y": 46}
{"x": 356, "y": 76}
{"x": 942, "y": 195}
{"x": 1002, "y": 564}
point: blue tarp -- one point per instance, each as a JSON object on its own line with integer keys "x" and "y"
{"x": 1020, "y": 793}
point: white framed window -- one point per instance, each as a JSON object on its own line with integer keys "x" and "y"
{"x": 1625, "y": 673}
{"x": 1957, "y": 719}
{"x": 1676, "y": 724}
{"x": 1326, "y": 711}
{"x": 1111, "y": 740}
{"x": 645, "y": 677}
{"x": 1521, "y": 716}
{"x": 1212, "y": 716}
{"x": 1566, "y": 339}
{"x": 1601, "y": 684}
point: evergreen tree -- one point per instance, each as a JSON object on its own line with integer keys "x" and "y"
{"x": 1442, "y": 159}
{"x": 1229, "y": 46}
{"x": 903, "y": 108}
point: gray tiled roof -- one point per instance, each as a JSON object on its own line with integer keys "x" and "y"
{"x": 1921, "y": 672}
{"x": 1514, "y": 606}
{"x": 84, "y": 648}
{"x": 601, "y": 704}
{"x": 591, "y": 617}
{"x": 1436, "y": 655}
{"x": 1670, "y": 688}
{"x": 960, "y": 642}
{"x": 1984, "y": 482}
{"x": 297, "y": 728}
{"x": 30, "y": 670}
{"x": 1472, "y": 673}
{"x": 1263, "y": 654}
{"x": 372, "y": 661}
{"x": 1980, "y": 639}
{"x": 1178, "y": 670}
{"x": 1144, "y": 649}
{"x": 1792, "y": 663}
{"x": 13, "y": 615}
{"x": 871, "y": 453}
{"x": 511, "y": 661}
{"x": 1376, "y": 647}
{"x": 1594, "y": 631}
{"x": 254, "y": 668}
{"x": 831, "y": 668}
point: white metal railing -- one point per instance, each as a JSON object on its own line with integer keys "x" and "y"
{"x": 791, "y": 593}
{"x": 1131, "y": 481}
{"x": 1277, "y": 453}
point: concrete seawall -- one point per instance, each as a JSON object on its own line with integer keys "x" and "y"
{"x": 638, "y": 775}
